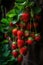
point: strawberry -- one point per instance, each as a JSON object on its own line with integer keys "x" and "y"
{"x": 11, "y": 24}
{"x": 37, "y": 37}
{"x": 14, "y": 45}
{"x": 29, "y": 41}
{"x": 15, "y": 53}
{"x": 20, "y": 43}
{"x": 29, "y": 26}
{"x": 20, "y": 58}
{"x": 37, "y": 17}
{"x": 23, "y": 50}
{"x": 17, "y": 24}
{"x": 25, "y": 17}
{"x": 14, "y": 32}
{"x": 26, "y": 33}
{"x": 32, "y": 34}
{"x": 22, "y": 24}
{"x": 35, "y": 24}
{"x": 20, "y": 33}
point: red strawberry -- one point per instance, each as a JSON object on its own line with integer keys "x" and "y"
{"x": 14, "y": 45}
{"x": 25, "y": 17}
{"x": 20, "y": 58}
{"x": 20, "y": 43}
{"x": 26, "y": 33}
{"x": 11, "y": 24}
{"x": 32, "y": 34}
{"x": 29, "y": 41}
{"x": 20, "y": 33}
{"x": 23, "y": 50}
{"x": 17, "y": 24}
{"x": 35, "y": 24}
{"x": 15, "y": 53}
{"x": 14, "y": 32}
{"x": 22, "y": 24}
{"x": 37, "y": 37}
{"x": 29, "y": 26}
{"x": 37, "y": 17}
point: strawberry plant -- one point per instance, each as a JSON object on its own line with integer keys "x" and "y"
{"x": 21, "y": 27}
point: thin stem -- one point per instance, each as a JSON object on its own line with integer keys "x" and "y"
{"x": 34, "y": 26}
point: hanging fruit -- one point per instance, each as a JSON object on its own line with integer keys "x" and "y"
{"x": 25, "y": 17}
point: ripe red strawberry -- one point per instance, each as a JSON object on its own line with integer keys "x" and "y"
{"x": 29, "y": 26}
{"x": 37, "y": 37}
{"x": 20, "y": 43}
{"x": 32, "y": 34}
{"x": 14, "y": 32}
{"x": 14, "y": 45}
{"x": 11, "y": 24}
{"x": 15, "y": 53}
{"x": 22, "y": 24}
{"x": 29, "y": 41}
{"x": 20, "y": 58}
{"x": 26, "y": 33}
{"x": 25, "y": 17}
{"x": 17, "y": 24}
{"x": 20, "y": 33}
{"x": 23, "y": 50}
{"x": 37, "y": 17}
{"x": 35, "y": 24}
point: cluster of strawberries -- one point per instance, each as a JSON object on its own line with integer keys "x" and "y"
{"x": 24, "y": 36}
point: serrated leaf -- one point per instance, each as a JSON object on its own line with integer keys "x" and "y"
{"x": 5, "y": 21}
{"x": 20, "y": 6}
{"x": 37, "y": 10}
{"x": 12, "y": 58}
{"x": 11, "y": 13}
{"x": 5, "y": 41}
{"x": 6, "y": 53}
{"x": 30, "y": 4}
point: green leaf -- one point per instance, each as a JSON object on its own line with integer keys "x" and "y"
{"x": 37, "y": 10}
{"x": 6, "y": 54}
{"x": 30, "y": 4}
{"x": 4, "y": 20}
{"x": 5, "y": 41}
{"x": 12, "y": 58}
{"x": 20, "y": 6}
{"x": 20, "y": 1}
{"x": 4, "y": 63}
{"x": 11, "y": 13}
